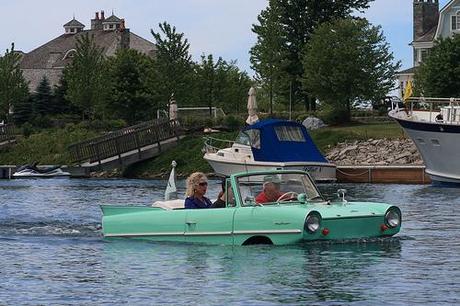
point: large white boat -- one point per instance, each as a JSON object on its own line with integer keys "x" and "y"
{"x": 433, "y": 124}
{"x": 270, "y": 144}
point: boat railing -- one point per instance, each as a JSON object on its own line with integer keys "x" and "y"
{"x": 441, "y": 110}
{"x": 212, "y": 145}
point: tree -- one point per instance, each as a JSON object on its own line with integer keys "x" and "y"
{"x": 13, "y": 87}
{"x": 296, "y": 20}
{"x": 438, "y": 75}
{"x": 267, "y": 54}
{"x": 130, "y": 94}
{"x": 345, "y": 60}
{"x": 43, "y": 98}
{"x": 85, "y": 77}
{"x": 173, "y": 66}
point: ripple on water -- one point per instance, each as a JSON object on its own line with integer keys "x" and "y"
{"x": 52, "y": 253}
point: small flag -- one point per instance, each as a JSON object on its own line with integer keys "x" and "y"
{"x": 407, "y": 91}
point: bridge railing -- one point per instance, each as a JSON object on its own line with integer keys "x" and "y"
{"x": 124, "y": 140}
{"x": 6, "y": 132}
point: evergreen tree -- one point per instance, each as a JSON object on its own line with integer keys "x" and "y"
{"x": 346, "y": 60}
{"x": 85, "y": 76}
{"x": 437, "y": 76}
{"x": 173, "y": 66}
{"x": 13, "y": 87}
{"x": 61, "y": 104}
{"x": 43, "y": 98}
{"x": 130, "y": 94}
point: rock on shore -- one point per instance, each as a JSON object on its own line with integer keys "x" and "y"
{"x": 375, "y": 152}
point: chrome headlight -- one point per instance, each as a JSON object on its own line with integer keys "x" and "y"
{"x": 393, "y": 217}
{"x": 312, "y": 222}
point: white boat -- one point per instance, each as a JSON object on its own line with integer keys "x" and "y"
{"x": 267, "y": 145}
{"x": 433, "y": 124}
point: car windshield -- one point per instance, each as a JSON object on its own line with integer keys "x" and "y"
{"x": 277, "y": 188}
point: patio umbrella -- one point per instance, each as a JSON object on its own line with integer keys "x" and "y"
{"x": 252, "y": 107}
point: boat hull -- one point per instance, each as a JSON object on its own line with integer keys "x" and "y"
{"x": 320, "y": 172}
{"x": 438, "y": 145}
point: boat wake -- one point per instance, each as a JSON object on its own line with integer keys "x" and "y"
{"x": 53, "y": 228}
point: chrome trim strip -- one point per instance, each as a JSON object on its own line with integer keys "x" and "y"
{"x": 206, "y": 233}
{"x": 288, "y": 231}
{"x": 145, "y": 234}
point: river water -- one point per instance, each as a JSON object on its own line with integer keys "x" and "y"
{"x": 52, "y": 253}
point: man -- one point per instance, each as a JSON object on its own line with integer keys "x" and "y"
{"x": 271, "y": 191}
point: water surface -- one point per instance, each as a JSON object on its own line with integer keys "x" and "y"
{"x": 52, "y": 253}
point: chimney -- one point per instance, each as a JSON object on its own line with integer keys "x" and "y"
{"x": 426, "y": 15}
{"x": 102, "y": 15}
{"x": 96, "y": 23}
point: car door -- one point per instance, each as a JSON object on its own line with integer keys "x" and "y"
{"x": 272, "y": 221}
{"x": 211, "y": 225}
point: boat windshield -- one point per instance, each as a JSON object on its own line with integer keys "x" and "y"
{"x": 277, "y": 188}
{"x": 249, "y": 138}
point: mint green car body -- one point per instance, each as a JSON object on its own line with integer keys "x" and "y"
{"x": 246, "y": 222}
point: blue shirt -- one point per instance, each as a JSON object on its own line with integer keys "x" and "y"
{"x": 192, "y": 202}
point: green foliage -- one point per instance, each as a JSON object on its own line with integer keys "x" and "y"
{"x": 346, "y": 60}
{"x": 233, "y": 122}
{"x": 173, "y": 64}
{"x": 130, "y": 97}
{"x": 220, "y": 84}
{"x": 27, "y": 129}
{"x": 438, "y": 75}
{"x": 13, "y": 87}
{"x": 87, "y": 82}
{"x": 286, "y": 26}
{"x": 43, "y": 98}
{"x": 267, "y": 55}
{"x": 46, "y": 147}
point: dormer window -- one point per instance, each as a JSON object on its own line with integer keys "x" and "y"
{"x": 70, "y": 54}
{"x": 455, "y": 22}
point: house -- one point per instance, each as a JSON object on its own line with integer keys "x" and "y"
{"x": 430, "y": 24}
{"x": 50, "y": 59}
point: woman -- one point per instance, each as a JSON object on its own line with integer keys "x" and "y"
{"x": 197, "y": 185}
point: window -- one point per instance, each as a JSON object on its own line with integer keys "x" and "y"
{"x": 289, "y": 133}
{"x": 249, "y": 138}
{"x": 456, "y": 21}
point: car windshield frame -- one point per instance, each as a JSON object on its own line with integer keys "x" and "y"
{"x": 250, "y": 185}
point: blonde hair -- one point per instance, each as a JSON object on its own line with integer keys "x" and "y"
{"x": 192, "y": 182}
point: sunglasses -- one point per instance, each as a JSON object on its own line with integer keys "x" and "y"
{"x": 203, "y": 184}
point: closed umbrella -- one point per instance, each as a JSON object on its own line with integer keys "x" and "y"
{"x": 252, "y": 107}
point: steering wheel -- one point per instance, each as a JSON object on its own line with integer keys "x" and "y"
{"x": 284, "y": 197}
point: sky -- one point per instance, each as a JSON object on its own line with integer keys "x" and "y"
{"x": 218, "y": 27}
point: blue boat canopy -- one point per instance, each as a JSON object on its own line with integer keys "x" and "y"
{"x": 275, "y": 140}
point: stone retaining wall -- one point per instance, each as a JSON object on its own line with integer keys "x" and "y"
{"x": 375, "y": 152}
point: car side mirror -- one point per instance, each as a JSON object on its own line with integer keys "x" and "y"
{"x": 341, "y": 195}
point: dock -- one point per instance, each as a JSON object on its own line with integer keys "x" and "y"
{"x": 395, "y": 174}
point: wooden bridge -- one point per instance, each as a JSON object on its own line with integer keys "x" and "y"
{"x": 6, "y": 135}
{"x": 127, "y": 146}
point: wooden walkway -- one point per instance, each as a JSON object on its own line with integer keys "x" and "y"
{"x": 126, "y": 146}
{"x": 6, "y": 135}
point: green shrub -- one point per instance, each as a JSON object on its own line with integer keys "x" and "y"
{"x": 233, "y": 122}
{"x": 27, "y": 129}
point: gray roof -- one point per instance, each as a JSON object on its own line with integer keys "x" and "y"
{"x": 74, "y": 23}
{"x": 51, "y": 54}
{"x": 112, "y": 18}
